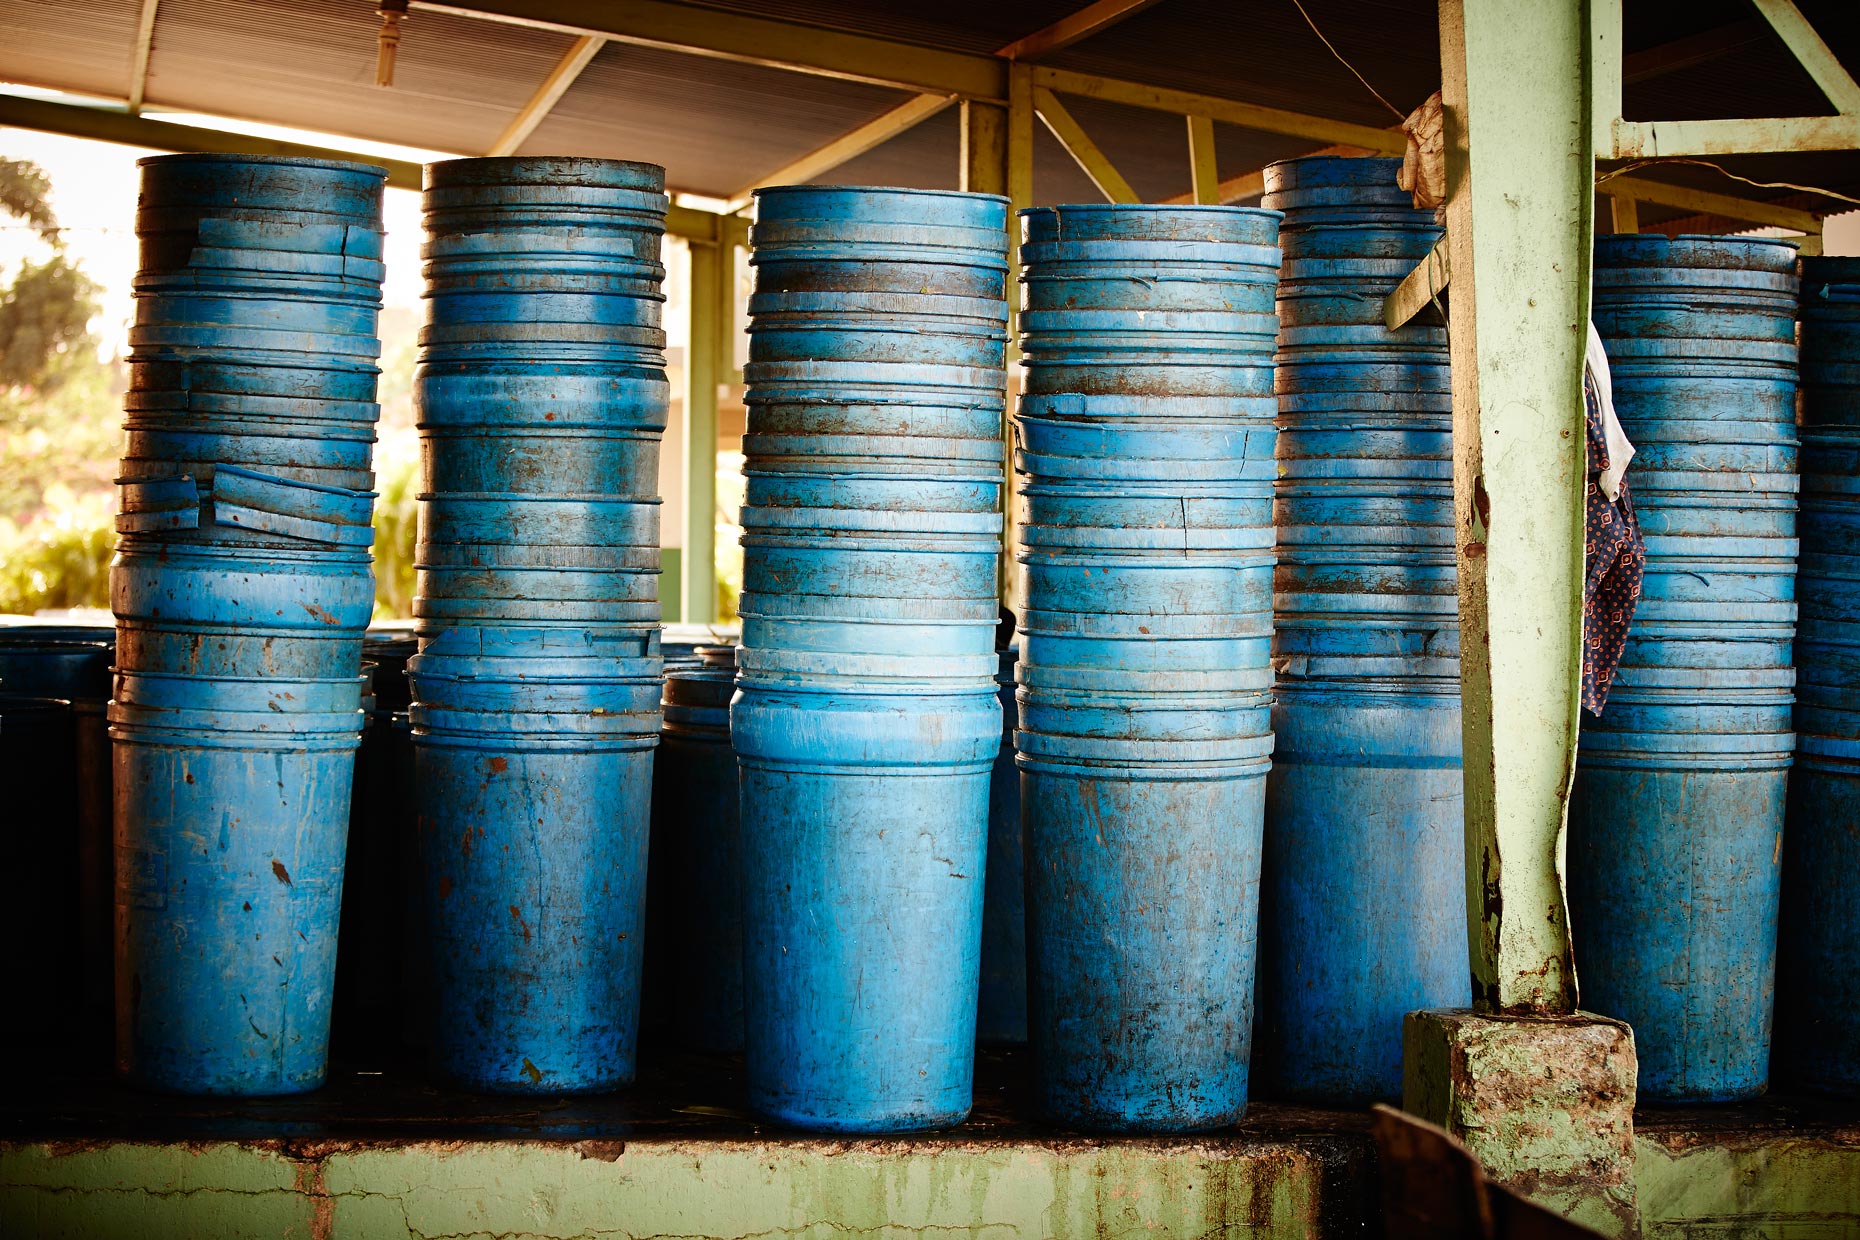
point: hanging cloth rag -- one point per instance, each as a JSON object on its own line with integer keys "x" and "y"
{"x": 1615, "y": 554}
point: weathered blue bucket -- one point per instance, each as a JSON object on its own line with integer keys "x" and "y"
{"x": 695, "y": 928}
{"x": 534, "y": 920}
{"x": 1817, "y": 991}
{"x": 228, "y": 885}
{"x": 1674, "y": 870}
{"x": 1142, "y": 901}
{"x": 860, "y": 1011}
{"x": 1362, "y": 915}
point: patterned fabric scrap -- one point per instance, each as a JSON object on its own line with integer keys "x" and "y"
{"x": 1614, "y": 552}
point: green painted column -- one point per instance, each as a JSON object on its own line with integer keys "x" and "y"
{"x": 1520, "y": 176}
{"x": 712, "y": 264}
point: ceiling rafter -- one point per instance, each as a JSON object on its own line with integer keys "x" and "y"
{"x": 849, "y": 145}
{"x": 548, "y": 94}
{"x": 139, "y": 60}
{"x": 1068, "y": 30}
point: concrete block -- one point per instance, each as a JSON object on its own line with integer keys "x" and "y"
{"x": 1545, "y": 1103}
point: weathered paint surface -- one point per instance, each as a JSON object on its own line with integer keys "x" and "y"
{"x": 612, "y": 1189}
{"x": 1518, "y": 227}
{"x": 1744, "y": 1186}
{"x": 1545, "y": 1103}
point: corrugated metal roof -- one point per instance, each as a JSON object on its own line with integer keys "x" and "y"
{"x": 715, "y": 125}
{"x": 86, "y": 46}
{"x": 457, "y": 81}
{"x": 719, "y": 126}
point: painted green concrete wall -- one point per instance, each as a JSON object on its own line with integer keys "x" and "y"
{"x": 1771, "y": 1189}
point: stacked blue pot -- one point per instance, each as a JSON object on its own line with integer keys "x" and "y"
{"x": 1144, "y": 444}
{"x": 1361, "y": 905}
{"x": 1817, "y": 986}
{"x": 1676, "y": 815}
{"x": 540, "y": 398}
{"x": 241, "y": 586}
{"x": 865, "y": 721}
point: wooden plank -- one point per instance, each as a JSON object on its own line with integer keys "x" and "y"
{"x": 1623, "y": 214}
{"x": 1250, "y": 185}
{"x": 1653, "y": 139}
{"x": 1419, "y": 287}
{"x": 852, "y": 143}
{"x": 1227, "y": 111}
{"x": 1204, "y": 176}
{"x": 553, "y": 87}
{"x": 1083, "y": 150}
{"x": 1069, "y": 30}
{"x": 1813, "y": 53}
{"x": 1685, "y": 198}
{"x": 982, "y": 149}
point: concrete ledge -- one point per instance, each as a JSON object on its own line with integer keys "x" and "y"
{"x": 387, "y": 1156}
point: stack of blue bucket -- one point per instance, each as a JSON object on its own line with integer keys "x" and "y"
{"x": 865, "y": 721}
{"x": 540, "y": 397}
{"x": 1676, "y": 816}
{"x": 1817, "y": 987}
{"x": 1144, "y": 444}
{"x": 1361, "y": 905}
{"x": 241, "y": 586}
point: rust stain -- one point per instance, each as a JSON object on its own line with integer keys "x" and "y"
{"x": 321, "y": 616}
{"x": 283, "y": 875}
{"x": 532, "y": 1071}
{"x": 516, "y": 915}
{"x": 445, "y": 885}
{"x": 497, "y": 766}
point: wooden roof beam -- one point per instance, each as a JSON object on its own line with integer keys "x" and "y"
{"x": 139, "y": 61}
{"x": 547, "y": 95}
{"x": 1813, "y": 53}
{"x": 1083, "y": 150}
{"x": 848, "y": 145}
{"x": 1069, "y": 30}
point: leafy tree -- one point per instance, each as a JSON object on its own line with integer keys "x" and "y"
{"x": 47, "y": 308}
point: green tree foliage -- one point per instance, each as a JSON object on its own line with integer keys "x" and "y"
{"x": 46, "y": 309}
{"x": 59, "y": 419}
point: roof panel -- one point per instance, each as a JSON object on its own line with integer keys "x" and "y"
{"x": 715, "y": 125}
{"x": 86, "y": 46}
{"x": 457, "y": 81}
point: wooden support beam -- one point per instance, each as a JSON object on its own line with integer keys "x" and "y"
{"x": 1624, "y": 214}
{"x": 1653, "y": 139}
{"x": 749, "y": 39}
{"x": 1250, "y": 185}
{"x": 1519, "y": 223}
{"x": 982, "y": 149}
{"x": 1227, "y": 111}
{"x": 1203, "y": 173}
{"x": 1698, "y": 49}
{"x": 711, "y": 266}
{"x": 854, "y": 142}
{"x": 553, "y": 87}
{"x": 110, "y": 125}
{"x": 815, "y": 50}
{"x": 139, "y": 61}
{"x": 1813, "y": 53}
{"x": 1685, "y": 198}
{"x": 1419, "y": 287}
{"x": 1606, "y": 59}
{"x": 1069, "y": 30}
{"x": 1083, "y": 150}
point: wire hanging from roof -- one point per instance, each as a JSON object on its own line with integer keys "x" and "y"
{"x": 1399, "y": 114}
